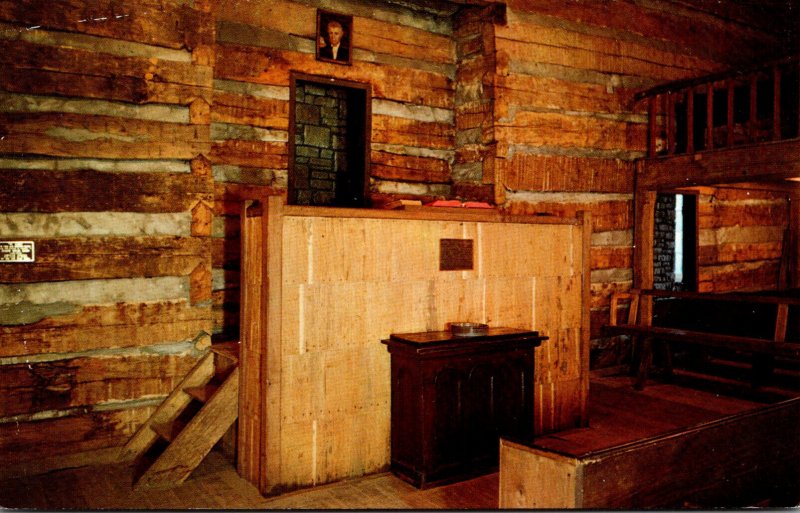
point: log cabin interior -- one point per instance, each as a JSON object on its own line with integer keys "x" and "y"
{"x": 230, "y": 260}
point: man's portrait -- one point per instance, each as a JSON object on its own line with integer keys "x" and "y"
{"x": 334, "y": 37}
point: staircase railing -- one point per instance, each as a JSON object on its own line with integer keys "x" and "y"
{"x": 723, "y": 110}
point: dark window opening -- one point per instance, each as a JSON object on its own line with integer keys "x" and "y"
{"x": 329, "y": 144}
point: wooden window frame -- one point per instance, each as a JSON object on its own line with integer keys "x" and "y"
{"x": 326, "y": 81}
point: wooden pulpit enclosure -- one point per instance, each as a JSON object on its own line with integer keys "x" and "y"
{"x": 322, "y": 287}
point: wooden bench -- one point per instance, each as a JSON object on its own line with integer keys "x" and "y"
{"x": 639, "y": 326}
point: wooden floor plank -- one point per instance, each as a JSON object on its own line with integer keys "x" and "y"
{"x": 216, "y": 485}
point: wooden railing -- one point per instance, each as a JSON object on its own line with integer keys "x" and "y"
{"x": 723, "y": 110}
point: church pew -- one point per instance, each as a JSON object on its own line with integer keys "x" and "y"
{"x": 751, "y": 324}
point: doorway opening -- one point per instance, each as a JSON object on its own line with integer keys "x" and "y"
{"x": 675, "y": 242}
{"x": 329, "y": 142}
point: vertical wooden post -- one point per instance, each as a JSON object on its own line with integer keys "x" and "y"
{"x": 776, "y": 103}
{"x": 780, "y": 322}
{"x": 690, "y": 120}
{"x": 258, "y": 453}
{"x": 272, "y": 279}
{"x": 729, "y": 119}
{"x": 651, "y": 126}
{"x": 710, "y": 116}
{"x": 250, "y": 404}
{"x": 753, "y": 116}
{"x": 794, "y": 241}
{"x": 585, "y": 218}
{"x": 670, "y": 117}
{"x": 644, "y": 219}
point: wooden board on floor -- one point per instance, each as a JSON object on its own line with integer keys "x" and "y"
{"x": 732, "y": 460}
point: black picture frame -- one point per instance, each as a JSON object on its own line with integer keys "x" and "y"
{"x": 327, "y": 20}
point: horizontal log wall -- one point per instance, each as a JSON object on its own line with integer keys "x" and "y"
{"x": 566, "y": 128}
{"x": 104, "y": 134}
{"x": 742, "y": 234}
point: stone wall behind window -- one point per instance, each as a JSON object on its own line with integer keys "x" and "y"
{"x": 664, "y": 243}
{"x": 320, "y": 142}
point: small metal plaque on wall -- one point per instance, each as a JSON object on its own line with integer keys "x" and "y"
{"x": 455, "y": 255}
{"x": 17, "y": 251}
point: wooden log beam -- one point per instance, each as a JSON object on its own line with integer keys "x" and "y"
{"x": 263, "y": 154}
{"x": 60, "y": 329}
{"x": 84, "y": 381}
{"x": 24, "y": 190}
{"x": 74, "y": 440}
{"x": 79, "y": 135}
{"x": 606, "y": 215}
{"x": 274, "y": 67}
{"x": 169, "y": 24}
{"x": 42, "y": 69}
{"x": 545, "y": 92}
{"x": 566, "y": 131}
{"x": 249, "y": 110}
{"x": 84, "y": 258}
{"x": 657, "y": 24}
{"x": 773, "y": 161}
{"x": 410, "y": 132}
{"x": 568, "y": 174}
{"x": 393, "y": 166}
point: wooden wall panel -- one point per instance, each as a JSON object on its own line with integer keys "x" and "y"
{"x": 350, "y": 281}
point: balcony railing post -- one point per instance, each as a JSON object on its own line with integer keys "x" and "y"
{"x": 651, "y": 125}
{"x": 670, "y": 123}
{"x": 690, "y": 120}
{"x": 710, "y": 116}
{"x": 753, "y": 115}
{"x": 667, "y": 101}
{"x": 776, "y": 103}
{"x": 729, "y": 140}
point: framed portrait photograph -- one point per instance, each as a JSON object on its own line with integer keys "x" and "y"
{"x": 334, "y": 37}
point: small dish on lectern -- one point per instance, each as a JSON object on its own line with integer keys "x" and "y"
{"x": 468, "y": 329}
